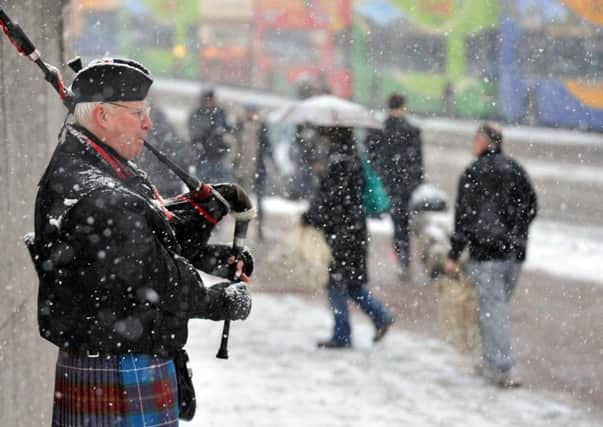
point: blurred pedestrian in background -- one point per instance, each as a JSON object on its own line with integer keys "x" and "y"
{"x": 336, "y": 209}
{"x": 494, "y": 208}
{"x": 306, "y": 150}
{"x": 208, "y": 129}
{"x": 163, "y": 136}
{"x": 396, "y": 153}
{"x": 253, "y": 153}
{"x": 252, "y": 132}
{"x": 307, "y": 154}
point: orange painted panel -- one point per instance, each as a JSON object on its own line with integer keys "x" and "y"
{"x": 591, "y": 94}
{"x": 99, "y": 4}
{"x": 591, "y": 10}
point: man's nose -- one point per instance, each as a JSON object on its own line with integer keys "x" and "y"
{"x": 147, "y": 123}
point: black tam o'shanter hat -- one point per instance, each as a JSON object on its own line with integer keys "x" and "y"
{"x": 111, "y": 79}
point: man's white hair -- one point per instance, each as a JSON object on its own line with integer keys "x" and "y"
{"x": 82, "y": 115}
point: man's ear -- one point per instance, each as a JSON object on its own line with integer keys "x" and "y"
{"x": 99, "y": 115}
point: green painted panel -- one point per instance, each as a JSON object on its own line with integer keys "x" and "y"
{"x": 475, "y": 98}
{"x": 465, "y": 16}
{"x": 178, "y": 19}
{"x": 177, "y": 12}
{"x": 162, "y": 62}
{"x": 454, "y": 21}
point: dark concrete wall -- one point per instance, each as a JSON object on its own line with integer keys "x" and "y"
{"x": 30, "y": 117}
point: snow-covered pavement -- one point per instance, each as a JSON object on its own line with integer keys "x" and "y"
{"x": 276, "y": 377}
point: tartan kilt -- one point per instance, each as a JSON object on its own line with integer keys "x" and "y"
{"x": 122, "y": 390}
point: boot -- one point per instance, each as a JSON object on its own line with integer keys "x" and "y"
{"x": 500, "y": 379}
{"x": 380, "y": 332}
{"x": 334, "y": 344}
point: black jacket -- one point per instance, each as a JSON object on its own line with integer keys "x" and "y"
{"x": 112, "y": 275}
{"x": 337, "y": 210}
{"x": 396, "y": 153}
{"x": 207, "y": 127}
{"x": 495, "y": 205}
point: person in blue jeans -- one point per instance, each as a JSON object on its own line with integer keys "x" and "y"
{"x": 495, "y": 282}
{"x": 494, "y": 208}
{"x": 336, "y": 209}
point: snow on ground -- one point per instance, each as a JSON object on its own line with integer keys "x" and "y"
{"x": 571, "y": 251}
{"x": 276, "y": 377}
{"x": 538, "y": 169}
{"x": 526, "y": 134}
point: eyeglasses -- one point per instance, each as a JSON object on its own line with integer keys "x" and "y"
{"x": 139, "y": 113}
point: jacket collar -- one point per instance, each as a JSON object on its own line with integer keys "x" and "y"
{"x": 119, "y": 165}
{"x": 100, "y": 143}
{"x": 108, "y": 159}
{"x": 490, "y": 152}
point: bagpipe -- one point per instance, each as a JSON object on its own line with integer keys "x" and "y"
{"x": 228, "y": 196}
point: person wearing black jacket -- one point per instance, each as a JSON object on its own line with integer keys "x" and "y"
{"x": 336, "y": 209}
{"x": 116, "y": 286}
{"x": 494, "y": 208}
{"x": 208, "y": 127}
{"x": 396, "y": 152}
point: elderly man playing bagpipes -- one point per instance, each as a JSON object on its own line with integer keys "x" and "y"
{"x": 120, "y": 267}
{"x": 121, "y": 270}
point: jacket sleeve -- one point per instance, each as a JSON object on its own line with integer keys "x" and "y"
{"x": 465, "y": 213}
{"x": 120, "y": 249}
{"x": 523, "y": 208}
{"x": 524, "y": 198}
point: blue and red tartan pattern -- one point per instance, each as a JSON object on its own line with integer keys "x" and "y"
{"x": 151, "y": 388}
{"x": 124, "y": 391}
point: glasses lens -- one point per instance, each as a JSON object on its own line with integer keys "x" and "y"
{"x": 140, "y": 113}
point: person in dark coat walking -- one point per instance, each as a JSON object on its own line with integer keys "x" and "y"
{"x": 396, "y": 152}
{"x": 336, "y": 209}
{"x": 116, "y": 289}
{"x": 208, "y": 129}
{"x": 494, "y": 208}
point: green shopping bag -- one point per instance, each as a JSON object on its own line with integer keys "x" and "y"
{"x": 374, "y": 198}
